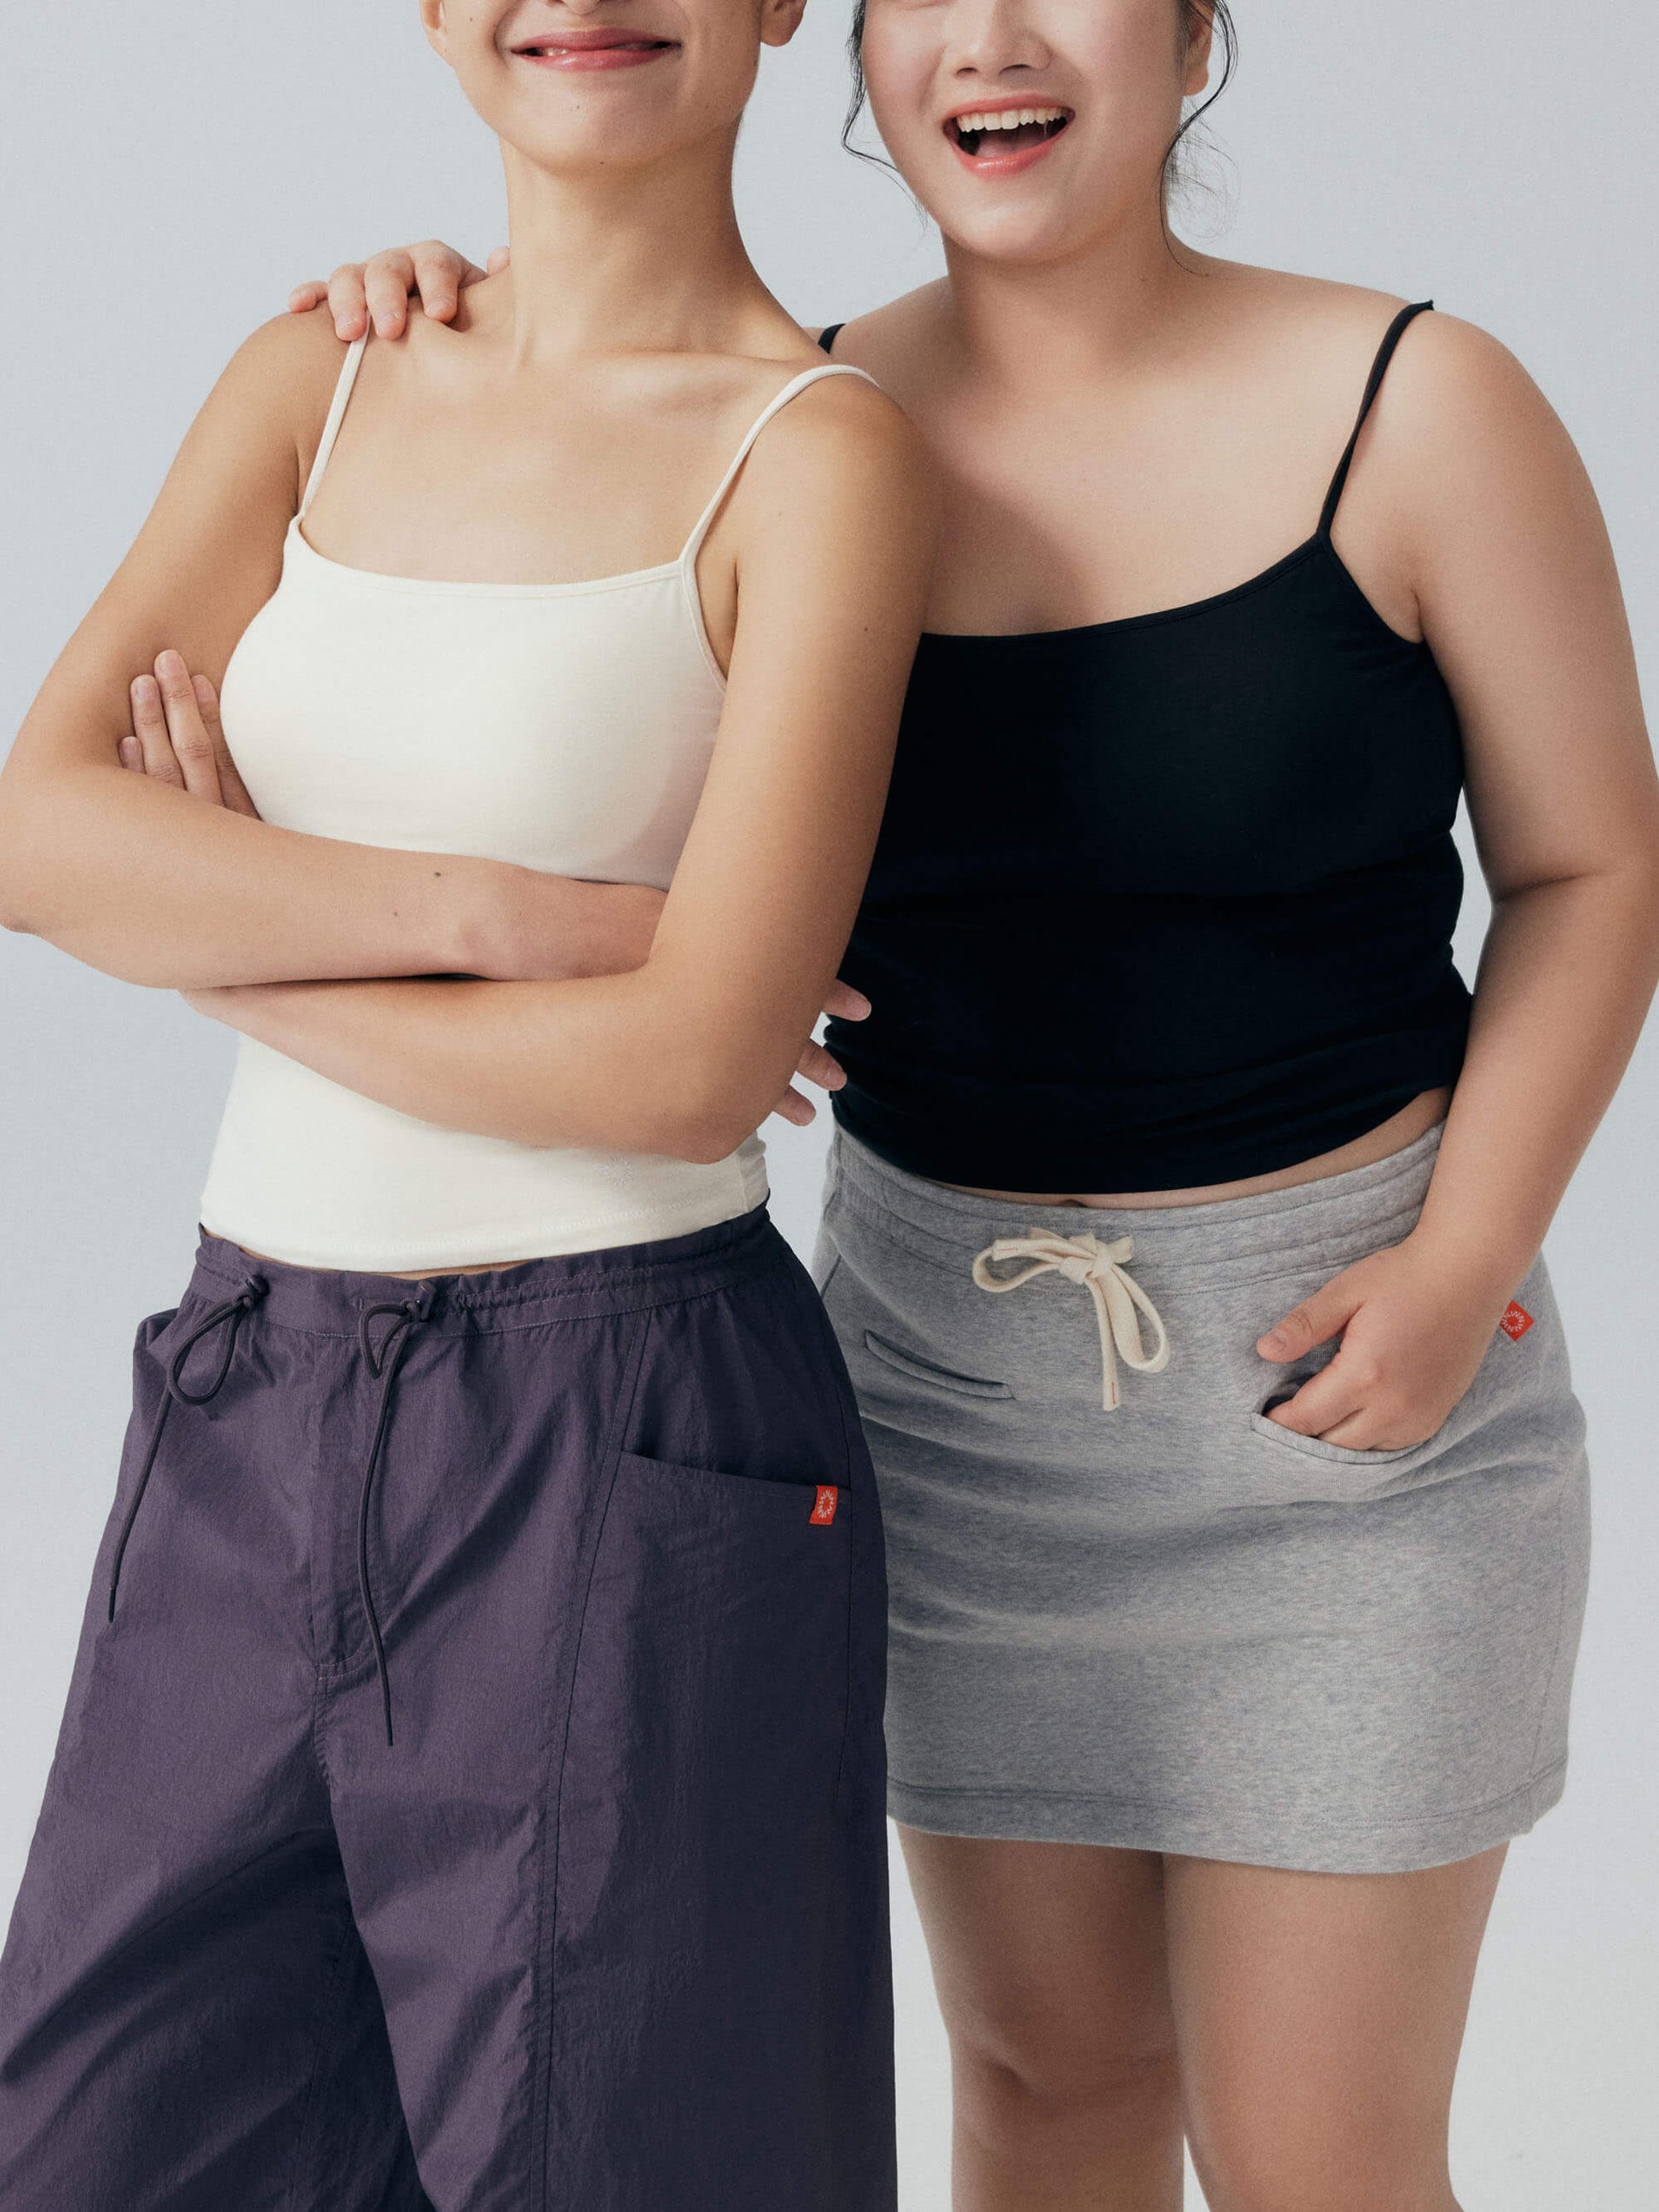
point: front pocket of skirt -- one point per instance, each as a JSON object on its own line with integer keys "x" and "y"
{"x": 1307, "y": 1471}
{"x": 922, "y": 1370}
{"x": 1338, "y": 1454}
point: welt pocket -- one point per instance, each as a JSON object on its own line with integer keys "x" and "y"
{"x": 787, "y": 1497}
{"x": 923, "y": 1371}
{"x": 1340, "y": 1455}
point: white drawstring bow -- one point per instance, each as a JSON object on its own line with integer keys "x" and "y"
{"x": 1101, "y": 1268}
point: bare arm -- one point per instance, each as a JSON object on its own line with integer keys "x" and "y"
{"x": 687, "y": 1055}
{"x": 1520, "y": 600}
{"x": 125, "y": 872}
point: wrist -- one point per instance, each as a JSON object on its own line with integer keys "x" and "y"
{"x": 488, "y": 921}
{"x": 1488, "y": 1268}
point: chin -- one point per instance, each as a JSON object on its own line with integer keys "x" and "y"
{"x": 1011, "y": 233}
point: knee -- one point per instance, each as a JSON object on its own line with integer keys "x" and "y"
{"x": 1246, "y": 2169}
{"x": 1024, "y": 2060}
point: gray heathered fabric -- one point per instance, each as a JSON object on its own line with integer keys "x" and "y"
{"x": 1176, "y": 1626}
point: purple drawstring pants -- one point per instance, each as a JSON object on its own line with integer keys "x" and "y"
{"x": 470, "y": 1797}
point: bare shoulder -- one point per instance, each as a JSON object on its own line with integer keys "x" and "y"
{"x": 891, "y": 340}
{"x": 1446, "y": 371}
{"x": 287, "y": 366}
{"x": 259, "y": 426}
{"x": 269, "y": 405}
{"x": 841, "y": 445}
{"x": 1453, "y": 378}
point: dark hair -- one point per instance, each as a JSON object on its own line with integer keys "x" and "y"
{"x": 1194, "y": 14}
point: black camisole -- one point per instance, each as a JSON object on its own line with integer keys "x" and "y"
{"x": 1162, "y": 902}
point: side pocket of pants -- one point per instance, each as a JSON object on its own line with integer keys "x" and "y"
{"x": 706, "y": 1968}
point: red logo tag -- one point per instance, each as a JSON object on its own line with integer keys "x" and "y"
{"x": 1515, "y": 1320}
{"x": 823, "y": 1512}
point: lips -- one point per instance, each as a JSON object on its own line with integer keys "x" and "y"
{"x": 613, "y": 47}
{"x": 1001, "y": 140}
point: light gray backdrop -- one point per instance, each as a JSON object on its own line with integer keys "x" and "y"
{"x": 168, "y": 170}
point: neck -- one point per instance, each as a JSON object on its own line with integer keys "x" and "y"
{"x": 628, "y": 259}
{"x": 1038, "y": 326}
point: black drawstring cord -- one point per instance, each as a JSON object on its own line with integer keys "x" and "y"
{"x": 232, "y": 1310}
{"x": 383, "y": 1361}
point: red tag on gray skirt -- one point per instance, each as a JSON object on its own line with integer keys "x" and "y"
{"x": 1515, "y": 1320}
{"x": 823, "y": 1512}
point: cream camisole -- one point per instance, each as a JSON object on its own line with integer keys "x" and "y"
{"x": 566, "y": 727}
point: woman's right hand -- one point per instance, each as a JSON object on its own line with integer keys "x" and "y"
{"x": 379, "y": 290}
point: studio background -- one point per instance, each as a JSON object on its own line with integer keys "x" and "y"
{"x": 169, "y": 170}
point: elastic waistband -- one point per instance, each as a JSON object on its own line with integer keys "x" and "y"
{"x": 952, "y": 1227}
{"x": 574, "y": 1287}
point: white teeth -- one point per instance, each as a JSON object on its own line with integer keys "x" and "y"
{"x": 1009, "y": 118}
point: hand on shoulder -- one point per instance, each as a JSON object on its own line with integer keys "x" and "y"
{"x": 377, "y": 293}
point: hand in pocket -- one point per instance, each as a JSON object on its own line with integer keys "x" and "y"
{"x": 1415, "y": 1327}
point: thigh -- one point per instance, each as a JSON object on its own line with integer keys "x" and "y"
{"x": 1320, "y": 2019}
{"x": 623, "y": 1876}
{"x": 186, "y": 2018}
{"x": 1048, "y": 1959}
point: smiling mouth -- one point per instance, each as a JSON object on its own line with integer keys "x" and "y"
{"x": 595, "y": 49}
{"x": 994, "y": 135}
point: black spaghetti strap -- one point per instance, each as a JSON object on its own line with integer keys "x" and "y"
{"x": 1385, "y": 353}
{"x": 827, "y": 338}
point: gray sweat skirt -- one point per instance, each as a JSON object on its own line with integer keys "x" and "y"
{"x": 1176, "y": 1625}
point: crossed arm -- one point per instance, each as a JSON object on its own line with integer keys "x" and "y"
{"x": 687, "y": 1050}
{"x": 123, "y": 874}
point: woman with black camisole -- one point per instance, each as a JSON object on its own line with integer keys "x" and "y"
{"x": 1184, "y": 1220}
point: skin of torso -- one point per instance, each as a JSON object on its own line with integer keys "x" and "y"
{"x": 1181, "y": 473}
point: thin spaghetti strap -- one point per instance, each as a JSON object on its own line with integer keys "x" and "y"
{"x": 798, "y": 385}
{"x": 1385, "y": 353}
{"x": 349, "y": 369}
{"x": 827, "y": 337}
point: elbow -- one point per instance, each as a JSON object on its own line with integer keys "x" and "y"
{"x": 707, "y": 1140}
{"x": 703, "y": 1135}
{"x": 700, "y": 1111}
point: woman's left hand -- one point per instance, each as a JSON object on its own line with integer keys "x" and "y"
{"x": 1414, "y": 1326}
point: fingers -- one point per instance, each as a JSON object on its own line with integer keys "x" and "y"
{"x": 347, "y": 300}
{"x": 844, "y": 1003}
{"x": 819, "y": 1067}
{"x": 441, "y": 274}
{"x": 387, "y": 282}
{"x": 1315, "y": 1320}
{"x": 149, "y": 723}
{"x": 1322, "y": 1404}
{"x": 795, "y": 1107}
{"x": 361, "y": 293}
{"x": 233, "y": 792}
{"x": 173, "y": 737}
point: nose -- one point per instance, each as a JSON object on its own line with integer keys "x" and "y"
{"x": 988, "y": 38}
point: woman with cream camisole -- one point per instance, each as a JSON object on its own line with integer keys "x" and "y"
{"x": 472, "y": 1780}
{"x": 595, "y": 707}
